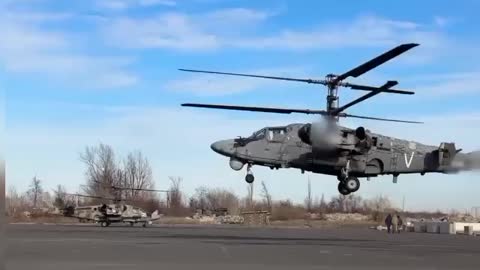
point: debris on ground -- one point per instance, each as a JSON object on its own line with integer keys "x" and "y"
{"x": 342, "y": 217}
{"x": 230, "y": 219}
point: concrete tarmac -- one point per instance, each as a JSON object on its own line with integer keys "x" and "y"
{"x": 75, "y": 247}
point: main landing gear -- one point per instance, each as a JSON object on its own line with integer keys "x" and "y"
{"x": 347, "y": 184}
{"x": 249, "y": 178}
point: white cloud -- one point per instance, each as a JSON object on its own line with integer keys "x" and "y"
{"x": 113, "y": 4}
{"x": 171, "y": 30}
{"x": 445, "y": 84}
{"x": 121, "y": 5}
{"x": 365, "y": 31}
{"x": 157, "y": 2}
{"x": 236, "y": 15}
{"x": 441, "y": 21}
{"x": 186, "y": 31}
{"x": 27, "y": 47}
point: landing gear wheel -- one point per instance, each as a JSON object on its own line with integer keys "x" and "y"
{"x": 104, "y": 224}
{"x": 249, "y": 178}
{"x": 144, "y": 225}
{"x": 352, "y": 184}
{"x": 342, "y": 189}
{"x": 131, "y": 224}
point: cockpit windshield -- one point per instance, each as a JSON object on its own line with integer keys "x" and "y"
{"x": 258, "y": 135}
{"x": 272, "y": 134}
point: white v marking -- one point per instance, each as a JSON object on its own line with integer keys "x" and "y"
{"x": 408, "y": 162}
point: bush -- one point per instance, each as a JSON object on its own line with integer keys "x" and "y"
{"x": 285, "y": 210}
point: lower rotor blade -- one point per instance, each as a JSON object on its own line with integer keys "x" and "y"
{"x": 255, "y": 109}
{"x": 367, "y": 96}
{"x": 372, "y": 88}
{"x": 378, "y": 119}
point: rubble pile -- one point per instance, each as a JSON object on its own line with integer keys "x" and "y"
{"x": 204, "y": 218}
{"x": 213, "y": 219}
{"x": 230, "y": 219}
{"x": 342, "y": 217}
{"x": 463, "y": 218}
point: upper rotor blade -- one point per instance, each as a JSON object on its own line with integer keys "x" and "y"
{"x": 375, "y": 62}
{"x": 379, "y": 119}
{"x": 367, "y": 96}
{"x": 256, "y": 76}
{"x": 255, "y": 109}
{"x": 372, "y": 88}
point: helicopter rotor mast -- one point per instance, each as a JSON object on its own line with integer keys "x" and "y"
{"x": 332, "y": 82}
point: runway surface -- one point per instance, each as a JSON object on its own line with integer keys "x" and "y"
{"x": 72, "y": 247}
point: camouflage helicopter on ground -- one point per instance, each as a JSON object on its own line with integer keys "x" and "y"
{"x": 115, "y": 212}
{"x": 327, "y": 148}
{"x": 108, "y": 213}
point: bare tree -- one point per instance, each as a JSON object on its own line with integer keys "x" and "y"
{"x": 15, "y": 202}
{"x": 102, "y": 171}
{"x": 35, "y": 191}
{"x": 137, "y": 175}
{"x": 175, "y": 194}
{"x": 60, "y": 200}
{"x": 323, "y": 203}
{"x": 378, "y": 204}
{"x": 267, "y": 198}
{"x": 199, "y": 200}
{"x": 308, "y": 199}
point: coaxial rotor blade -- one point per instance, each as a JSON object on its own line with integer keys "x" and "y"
{"x": 377, "y": 61}
{"x": 256, "y": 76}
{"x": 372, "y": 88}
{"x": 364, "y": 97}
{"x": 378, "y": 119}
{"x": 255, "y": 109}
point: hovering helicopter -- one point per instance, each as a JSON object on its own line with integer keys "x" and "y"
{"x": 327, "y": 148}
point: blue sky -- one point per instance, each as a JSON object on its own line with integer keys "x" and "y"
{"x": 77, "y": 73}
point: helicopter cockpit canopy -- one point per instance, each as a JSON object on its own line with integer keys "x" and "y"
{"x": 272, "y": 134}
{"x": 258, "y": 135}
{"x": 276, "y": 134}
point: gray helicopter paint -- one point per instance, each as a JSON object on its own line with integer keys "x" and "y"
{"x": 388, "y": 156}
{"x": 336, "y": 150}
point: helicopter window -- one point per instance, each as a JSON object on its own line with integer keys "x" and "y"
{"x": 258, "y": 135}
{"x": 276, "y": 134}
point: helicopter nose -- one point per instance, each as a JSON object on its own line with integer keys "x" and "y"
{"x": 224, "y": 147}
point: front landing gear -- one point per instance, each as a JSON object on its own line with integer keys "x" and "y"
{"x": 249, "y": 178}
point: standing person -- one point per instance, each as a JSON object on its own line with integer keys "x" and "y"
{"x": 388, "y": 222}
{"x": 400, "y": 223}
{"x": 395, "y": 223}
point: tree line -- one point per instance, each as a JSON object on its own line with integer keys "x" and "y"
{"x": 109, "y": 177}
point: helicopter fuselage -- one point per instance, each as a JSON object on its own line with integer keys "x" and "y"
{"x": 281, "y": 147}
